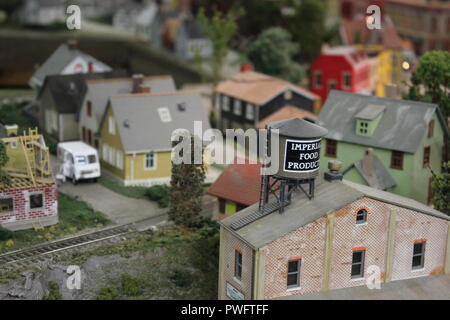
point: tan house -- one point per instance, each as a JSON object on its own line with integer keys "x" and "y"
{"x": 136, "y": 132}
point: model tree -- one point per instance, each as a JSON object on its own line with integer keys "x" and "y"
{"x": 441, "y": 189}
{"x": 430, "y": 82}
{"x": 220, "y": 28}
{"x": 307, "y": 26}
{"x": 272, "y": 53}
{"x": 186, "y": 186}
{"x": 4, "y": 177}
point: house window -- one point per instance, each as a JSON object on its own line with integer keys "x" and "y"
{"x": 105, "y": 152}
{"x": 89, "y": 136}
{"x": 222, "y": 206}
{"x": 6, "y": 205}
{"x": 89, "y": 108}
{"x": 430, "y": 128}
{"x": 332, "y": 84}
{"x": 36, "y": 201}
{"x": 347, "y": 80}
{"x": 226, "y": 103}
{"x": 331, "y": 148}
{"x": 288, "y": 95}
{"x": 250, "y": 112}
{"x": 363, "y": 128}
{"x": 111, "y": 125}
{"x": 426, "y": 156}
{"x": 418, "y": 259}
{"x": 361, "y": 216}
{"x": 397, "y": 160}
{"x": 358, "y": 264}
{"x": 83, "y": 133}
{"x": 238, "y": 264}
{"x": 164, "y": 114}
{"x": 293, "y": 275}
{"x": 318, "y": 79}
{"x": 150, "y": 161}
{"x": 237, "y": 107}
{"x": 111, "y": 156}
{"x": 119, "y": 159}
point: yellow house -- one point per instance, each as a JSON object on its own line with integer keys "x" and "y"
{"x": 135, "y": 133}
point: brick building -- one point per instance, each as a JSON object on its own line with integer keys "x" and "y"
{"x": 329, "y": 242}
{"x": 31, "y": 197}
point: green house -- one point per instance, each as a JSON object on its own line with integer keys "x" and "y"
{"x": 389, "y": 144}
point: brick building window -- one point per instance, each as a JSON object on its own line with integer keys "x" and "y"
{"x": 418, "y": 259}
{"x": 238, "y": 264}
{"x": 397, "y": 160}
{"x": 318, "y": 79}
{"x": 347, "y": 80}
{"x": 331, "y": 148}
{"x": 361, "y": 216}
{"x": 358, "y": 264}
{"x": 36, "y": 201}
{"x": 6, "y": 205}
{"x": 426, "y": 156}
{"x": 293, "y": 275}
{"x": 430, "y": 128}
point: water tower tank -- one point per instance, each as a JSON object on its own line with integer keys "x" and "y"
{"x": 299, "y": 148}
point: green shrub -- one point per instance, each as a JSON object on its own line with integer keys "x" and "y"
{"x": 6, "y": 234}
{"x": 131, "y": 285}
{"x": 160, "y": 194}
{"x": 53, "y": 293}
{"x": 108, "y": 293}
{"x": 181, "y": 278}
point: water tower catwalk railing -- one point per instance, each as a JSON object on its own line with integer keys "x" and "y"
{"x": 298, "y": 165}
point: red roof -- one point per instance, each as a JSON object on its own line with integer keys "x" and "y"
{"x": 240, "y": 183}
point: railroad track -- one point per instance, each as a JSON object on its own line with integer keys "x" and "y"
{"x": 38, "y": 252}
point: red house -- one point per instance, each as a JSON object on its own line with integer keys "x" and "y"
{"x": 343, "y": 68}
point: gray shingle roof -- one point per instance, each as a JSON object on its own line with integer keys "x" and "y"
{"x": 381, "y": 179}
{"x": 144, "y": 130}
{"x": 68, "y": 91}
{"x": 298, "y": 128}
{"x": 402, "y": 126}
{"x": 58, "y": 60}
{"x": 100, "y": 91}
{"x": 329, "y": 196}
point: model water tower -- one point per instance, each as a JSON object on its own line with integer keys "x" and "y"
{"x": 298, "y": 161}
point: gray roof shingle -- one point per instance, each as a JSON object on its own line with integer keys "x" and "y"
{"x": 140, "y": 126}
{"x": 402, "y": 126}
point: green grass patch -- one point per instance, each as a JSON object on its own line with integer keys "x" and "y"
{"x": 14, "y": 93}
{"x": 131, "y": 192}
{"x": 74, "y": 215}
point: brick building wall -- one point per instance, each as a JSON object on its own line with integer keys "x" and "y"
{"x": 411, "y": 227}
{"x": 308, "y": 244}
{"x": 22, "y": 211}
{"x": 244, "y": 286}
{"x": 348, "y": 235}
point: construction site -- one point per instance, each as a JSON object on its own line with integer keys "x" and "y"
{"x": 28, "y": 196}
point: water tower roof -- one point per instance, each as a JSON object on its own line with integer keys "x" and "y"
{"x": 298, "y": 128}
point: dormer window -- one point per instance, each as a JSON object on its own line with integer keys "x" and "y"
{"x": 367, "y": 119}
{"x": 164, "y": 114}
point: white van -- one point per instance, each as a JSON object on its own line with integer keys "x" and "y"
{"x": 77, "y": 161}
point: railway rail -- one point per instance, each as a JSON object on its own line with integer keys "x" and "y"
{"x": 42, "y": 251}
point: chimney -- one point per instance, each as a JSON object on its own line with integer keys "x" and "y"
{"x": 334, "y": 174}
{"x": 367, "y": 162}
{"x": 138, "y": 79}
{"x": 72, "y": 44}
{"x": 246, "y": 67}
{"x": 391, "y": 91}
{"x": 144, "y": 89}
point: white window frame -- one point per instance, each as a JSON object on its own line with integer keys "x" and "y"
{"x": 119, "y": 159}
{"x": 111, "y": 125}
{"x": 237, "y": 107}
{"x": 250, "y": 111}
{"x": 154, "y": 161}
{"x": 112, "y": 156}
{"x": 164, "y": 114}
{"x": 226, "y": 103}
{"x": 13, "y": 205}
{"x": 295, "y": 286}
{"x": 105, "y": 152}
{"x": 29, "y": 200}
{"x": 362, "y": 264}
